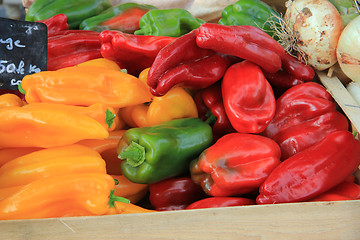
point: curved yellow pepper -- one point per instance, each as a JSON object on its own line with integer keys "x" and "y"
{"x": 101, "y": 62}
{"x": 107, "y": 116}
{"x": 8, "y": 154}
{"x": 85, "y": 85}
{"x": 176, "y": 103}
{"x": 51, "y": 162}
{"x": 80, "y": 194}
{"x": 43, "y": 127}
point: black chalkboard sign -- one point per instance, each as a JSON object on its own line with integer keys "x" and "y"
{"x": 23, "y": 50}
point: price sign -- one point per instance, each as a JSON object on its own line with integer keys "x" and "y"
{"x": 23, "y": 50}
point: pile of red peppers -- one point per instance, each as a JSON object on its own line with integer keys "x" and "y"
{"x": 278, "y": 135}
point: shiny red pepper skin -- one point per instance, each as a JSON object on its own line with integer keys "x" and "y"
{"x": 237, "y": 163}
{"x": 210, "y": 104}
{"x": 246, "y": 42}
{"x": 312, "y": 171}
{"x": 214, "y": 202}
{"x": 304, "y": 115}
{"x": 71, "y": 47}
{"x": 248, "y": 98}
{"x": 343, "y": 191}
{"x": 174, "y": 193}
{"x": 182, "y": 62}
{"x": 135, "y": 52}
{"x": 56, "y": 24}
{"x": 293, "y": 73}
{"x": 296, "y": 68}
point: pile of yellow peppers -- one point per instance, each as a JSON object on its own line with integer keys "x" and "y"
{"x": 58, "y": 147}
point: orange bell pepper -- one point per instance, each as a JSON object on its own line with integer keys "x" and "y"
{"x": 129, "y": 190}
{"x": 8, "y": 154}
{"x": 107, "y": 116}
{"x": 107, "y": 149}
{"x": 176, "y": 103}
{"x": 77, "y": 194}
{"x": 85, "y": 85}
{"x": 51, "y": 162}
{"x": 44, "y": 127}
{"x": 10, "y": 100}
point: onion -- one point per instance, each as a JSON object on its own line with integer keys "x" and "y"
{"x": 313, "y": 29}
{"x": 348, "y": 50}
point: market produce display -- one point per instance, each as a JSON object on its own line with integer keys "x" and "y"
{"x": 143, "y": 109}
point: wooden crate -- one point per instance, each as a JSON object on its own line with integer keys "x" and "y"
{"x": 291, "y": 221}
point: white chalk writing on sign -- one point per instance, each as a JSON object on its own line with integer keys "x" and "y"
{"x": 11, "y": 43}
{"x": 9, "y": 67}
{"x": 23, "y": 51}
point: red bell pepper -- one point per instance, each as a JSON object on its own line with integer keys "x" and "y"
{"x": 214, "y": 202}
{"x": 174, "y": 193}
{"x": 71, "y": 47}
{"x": 182, "y": 62}
{"x": 56, "y": 24}
{"x": 312, "y": 171}
{"x": 210, "y": 108}
{"x": 304, "y": 115}
{"x": 237, "y": 163}
{"x": 246, "y": 42}
{"x": 135, "y": 52}
{"x": 248, "y": 97}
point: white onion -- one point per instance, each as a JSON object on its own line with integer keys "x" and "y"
{"x": 316, "y": 26}
{"x": 348, "y": 50}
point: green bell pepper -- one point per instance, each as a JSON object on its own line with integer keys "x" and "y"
{"x": 124, "y": 17}
{"x": 75, "y": 10}
{"x": 151, "y": 154}
{"x": 168, "y": 22}
{"x": 254, "y": 13}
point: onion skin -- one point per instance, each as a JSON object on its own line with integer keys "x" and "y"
{"x": 317, "y": 26}
{"x": 348, "y": 50}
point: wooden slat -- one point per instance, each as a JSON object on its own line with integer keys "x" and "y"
{"x": 342, "y": 97}
{"x": 317, "y": 220}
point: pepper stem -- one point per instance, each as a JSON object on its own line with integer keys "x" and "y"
{"x": 109, "y": 117}
{"x": 21, "y": 89}
{"x": 113, "y": 199}
{"x": 134, "y": 154}
{"x": 210, "y": 118}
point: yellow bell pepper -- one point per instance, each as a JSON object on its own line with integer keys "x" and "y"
{"x": 85, "y": 85}
{"x": 50, "y": 162}
{"x": 176, "y": 103}
{"x": 43, "y": 127}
